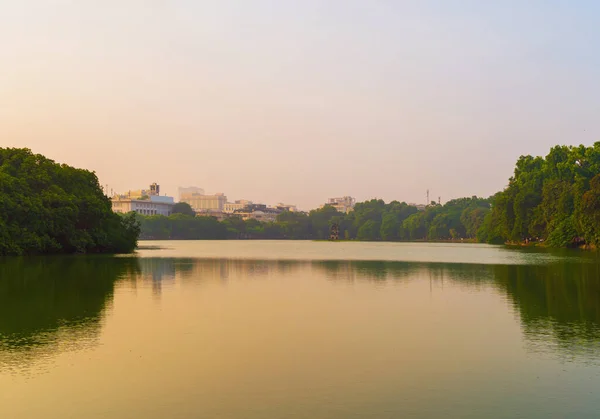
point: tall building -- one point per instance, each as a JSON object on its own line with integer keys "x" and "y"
{"x": 344, "y": 204}
{"x": 190, "y": 190}
{"x": 200, "y": 202}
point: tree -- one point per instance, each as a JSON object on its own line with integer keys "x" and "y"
{"x": 552, "y": 199}
{"x": 47, "y": 207}
{"x": 183, "y": 208}
{"x": 236, "y": 227}
{"x": 294, "y": 225}
{"x": 321, "y": 221}
{"x": 369, "y": 231}
{"x": 414, "y": 227}
{"x": 390, "y": 226}
{"x": 590, "y": 212}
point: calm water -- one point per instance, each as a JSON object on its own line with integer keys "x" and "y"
{"x": 301, "y": 330}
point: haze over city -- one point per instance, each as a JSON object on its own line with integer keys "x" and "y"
{"x": 298, "y": 101}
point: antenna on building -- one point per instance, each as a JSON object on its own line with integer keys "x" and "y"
{"x": 427, "y": 202}
{"x": 439, "y": 200}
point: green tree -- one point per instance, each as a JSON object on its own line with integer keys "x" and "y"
{"x": 46, "y": 207}
{"x": 294, "y": 225}
{"x": 236, "y": 227}
{"x": 550, "y": 199}
{"x": 390, "y": 226}
{"x": 321, "y": 220}
{"x": 369, "y": 231}
{"x": 590, "y": 212}
{"x": 183, "y": 208}
{"x": 414, "y": 227}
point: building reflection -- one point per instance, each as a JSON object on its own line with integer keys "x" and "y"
{"x": 160, "y": 273}
{"x": 224, "y": 270}
{"x": 155, "y": 272}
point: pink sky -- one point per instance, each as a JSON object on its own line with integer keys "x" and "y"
{"x": 298, "y": 101}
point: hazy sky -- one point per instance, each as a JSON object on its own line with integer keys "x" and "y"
{"x": 297, "y": 101}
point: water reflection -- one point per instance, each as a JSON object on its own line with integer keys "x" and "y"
{"x": 463, "y": 274}
{"x": 49, "y": 304}
{"x": 558, "y": 304}
{"x": 164, "y": 271}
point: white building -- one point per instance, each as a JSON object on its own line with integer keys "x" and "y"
{"x": 344, "y": 204}
{"x": 262, "y": 216}
{"x": 154, "y": 205}
{"x": 144, "y": 202}
{"x": 231, "y": 207}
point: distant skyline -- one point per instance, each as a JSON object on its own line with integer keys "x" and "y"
{"x": 300, "y": 101}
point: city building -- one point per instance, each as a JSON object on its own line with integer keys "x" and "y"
{"x": 263, "y": 217}
{"x": 286, "y": 207}
{"x": 258, "y": 215}
{"x": 231, "y": 207}
{"x": 344, "y": 204}
{"x": 259, "y": 212}
{"x": 190, "y": 191}
{"x": 144, "y": 202}
{"x": 143, "y": 193}
{"x": 201, "y": 202}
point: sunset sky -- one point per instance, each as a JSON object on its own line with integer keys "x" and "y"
{"x": 297, "y": 101}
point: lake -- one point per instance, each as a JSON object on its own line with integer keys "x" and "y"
{"x": 293, "y": 329}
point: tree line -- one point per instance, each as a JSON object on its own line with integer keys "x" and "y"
{"x": 46, "y": 207}
{"x": 370, "y": 221}
{"x": 554, "y": 200}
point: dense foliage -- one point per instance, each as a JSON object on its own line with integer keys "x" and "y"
{"x": 555, "y": 200}
{"x": 183, "y": 208}
{"x": 181, "y": 227}
{"x": 370, "y": 221}
{"x": 47, "y": 207}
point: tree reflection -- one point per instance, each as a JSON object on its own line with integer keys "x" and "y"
{"x": 380, "y": 271}
{"x": 559, "y": 305}
{"x": 48, "y": 300}
{"x": 44, "y": 301}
